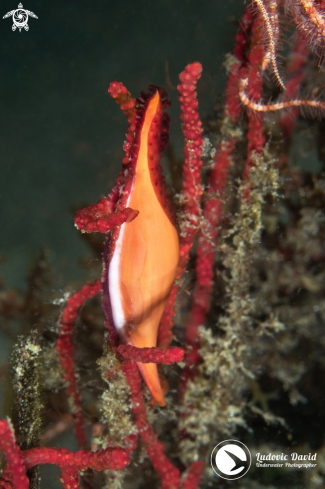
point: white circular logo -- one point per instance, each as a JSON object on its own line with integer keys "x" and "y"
{"x": 231, "y": 459}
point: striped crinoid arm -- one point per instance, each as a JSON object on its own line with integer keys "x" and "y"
{"x": 272, "y": 8}
{"x": 269, "y": 13}
{"x": 314, "y": 107}
{"x": 309, "y": 16}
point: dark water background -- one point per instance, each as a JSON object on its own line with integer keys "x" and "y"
{"x": 61, "y": 135}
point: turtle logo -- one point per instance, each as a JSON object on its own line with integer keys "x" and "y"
{"x": 20, "y": 18}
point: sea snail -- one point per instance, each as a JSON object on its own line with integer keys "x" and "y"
{"x": 144, "y": 254}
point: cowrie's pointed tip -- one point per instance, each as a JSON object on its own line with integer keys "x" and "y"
{"x": 161, "y": 402}
{"x": 150, "y": 376}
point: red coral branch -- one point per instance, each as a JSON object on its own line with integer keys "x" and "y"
{"x": 151, "y": 355}
{"x": 127, "y": 103}
{"x": 103, "y": 217}
{"x": 65, "y": 349}
{"x": 255, "y": 134}
{"x": 192, "y": 190}
{"x": 70, "y": 477}
{"x": 233, "y": 106}
{"x": 205, "y": 258}
{"x": 97, "y": 218}
{"x": 165, "y": 334}
{"x": 123, "y": 98}
{"x": 115, "y": 458}
{"x": 70, "y": 463}
{"x": 298, "y": 60}
{"x": 194, "y": 475}
{"x": 16, "y": 472}
{"x": 192, "y": 129}
{"x": 168, "y": 473}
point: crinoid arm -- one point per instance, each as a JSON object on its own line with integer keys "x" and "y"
{"x": 314, "y": 107}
